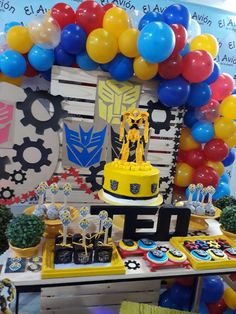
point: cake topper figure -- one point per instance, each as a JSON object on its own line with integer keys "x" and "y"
{"x": 135, "y": 119}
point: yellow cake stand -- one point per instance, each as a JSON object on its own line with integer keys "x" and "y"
{"x": 198, "y": 222}
{"x": 54, "y": 226}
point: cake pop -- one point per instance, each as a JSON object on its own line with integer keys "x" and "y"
{"x": 189, "y": 203}
{"x": 40, "y": 209}
{"x": 200, "y": 210}
{"x": 209, "y": 208}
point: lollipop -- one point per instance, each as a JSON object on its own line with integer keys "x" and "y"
{"x": 54, "y": 190}
{"x": 65, "y": 218}
{"x": 84, "y": 225}
{"x": 107, "y": 225}
{"x": 84, "y": 211}
{"x": 102, "y": 216}
{"x": 67, "y": 189}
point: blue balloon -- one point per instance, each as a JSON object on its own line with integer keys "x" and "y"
{"x": 181, "y": 295}
{"x": 62, "y": 57}
{"x": 190, "y": 118}
{"x": 203, "y": 308}
{"x": 105, "y": 66}
{"x": 41, "y": 59}
{"x": 85, "y": 62}
{"x": 229, "y": 311}
{"x": 228, "y": 161}
{"x": 73, "y": 39}
{"x": 173, "y": 93}
{"x": 194, "y": 194}
{"x": 202, "y": 131}
{"x": 12, "y": 63}
{"x": 10, "y": 25}
{"x": 234, "y": 91}
{"x": 149, "y": 18}
{"x": 222, "y": 190}
{"x": 200, "y": 94}
{"x": 186, "y": 50}
{"x": 156, "y": 42}
{"x": 225, "y": 178}
{"x": 121, "y": 68}
{"x": 177, "y": 14}
{"x": 166, "y": 301}
{"x": 212, "y": 289}
{"x": 47, "y": 75}
{"x": 214, "y": 75}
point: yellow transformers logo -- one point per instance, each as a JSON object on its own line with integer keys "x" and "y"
{"x": 114, "y": 98}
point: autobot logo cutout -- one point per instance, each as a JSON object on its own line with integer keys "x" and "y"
{"x": 6, "y": 118}
{"x": 84, "y": 148}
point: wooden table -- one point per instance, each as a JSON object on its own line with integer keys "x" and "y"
{"x": 134, "y": 283}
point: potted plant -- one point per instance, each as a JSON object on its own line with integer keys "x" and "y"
{"x": 5, "y": 216}
{"x": 228, "y": 221}
{"x": 225, "y": 201}
{"x": 24, "y": 234}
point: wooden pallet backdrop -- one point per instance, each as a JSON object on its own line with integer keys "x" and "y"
{"x": 79, "y": 90}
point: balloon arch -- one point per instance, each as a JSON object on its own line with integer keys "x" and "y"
{"x": 168, "y": 48}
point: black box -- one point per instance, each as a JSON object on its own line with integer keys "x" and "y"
{"x": 103, "y": 254}
{"x": 63, "y": 254}
{"x": 83, "y": 255}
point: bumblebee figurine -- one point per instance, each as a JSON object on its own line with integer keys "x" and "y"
{"x": 135, "y": 119}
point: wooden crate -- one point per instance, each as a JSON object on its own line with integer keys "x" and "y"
{"x": 79, "y": 90}
{"x": 85, "y": 299}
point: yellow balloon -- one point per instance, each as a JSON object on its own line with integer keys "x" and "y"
{"x": 14, "y": 81}
{"x": 18, "y": 38}
{"x": 116, "y": 21}
{"x": 217, "y": 166}
{"x": 224, "y": 128}
{"x": 187, "y": 142}
{"x": 231, "y": 141}
{"x": 128, "y": 43}
{"x": 145, "y": 70}
{"x": 228, "y": 107}
{"x": 230, "y": 298}
{"x": 101, "y": 46}
{"x": 205, "y": 42}
{"x": 184, "y": 175}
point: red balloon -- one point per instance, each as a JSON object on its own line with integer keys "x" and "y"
{"x": 222, "y": 87}
{"x": 181, "y": 156}
{"x": 89, "y": 15}
{"x": 195, "y": 157}
{"x": 197, "y": 66}
{"x": 216, "y": 150}
{"x": 108, "y": 6}
{"x": 217, "y": 308}
{"x": 209, "y": 112}
{"x": 170, "y": 68}
{"x": 206, "y": 175}
{"x": 181, "y": 36}
{"x": 30, "y": 71}
{"x": 63, "y": 14}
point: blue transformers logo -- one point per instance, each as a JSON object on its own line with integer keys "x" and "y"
{"x": 84, "y": 148}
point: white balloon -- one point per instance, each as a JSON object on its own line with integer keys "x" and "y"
{"x": 193, "y": 30}
{"x": 135, "y": 17}
{"x": 45, "y": 31}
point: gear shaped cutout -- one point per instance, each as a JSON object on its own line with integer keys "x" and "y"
{"x": 30, "y": 119}
{"x": 158, "y": 126}
{"x": 18, "y": 177}
{"x": 6, "y": 193}
{"x": 92, "y": 178}
{"x": 27, "y": 143}
{"x": 132, "y": 265}
{"x": 3, "y": 162}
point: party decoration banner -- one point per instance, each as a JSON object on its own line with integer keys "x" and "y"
{"x": 220, "y": 23}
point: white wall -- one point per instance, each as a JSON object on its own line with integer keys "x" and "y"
{"x": 228, "y": 5}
